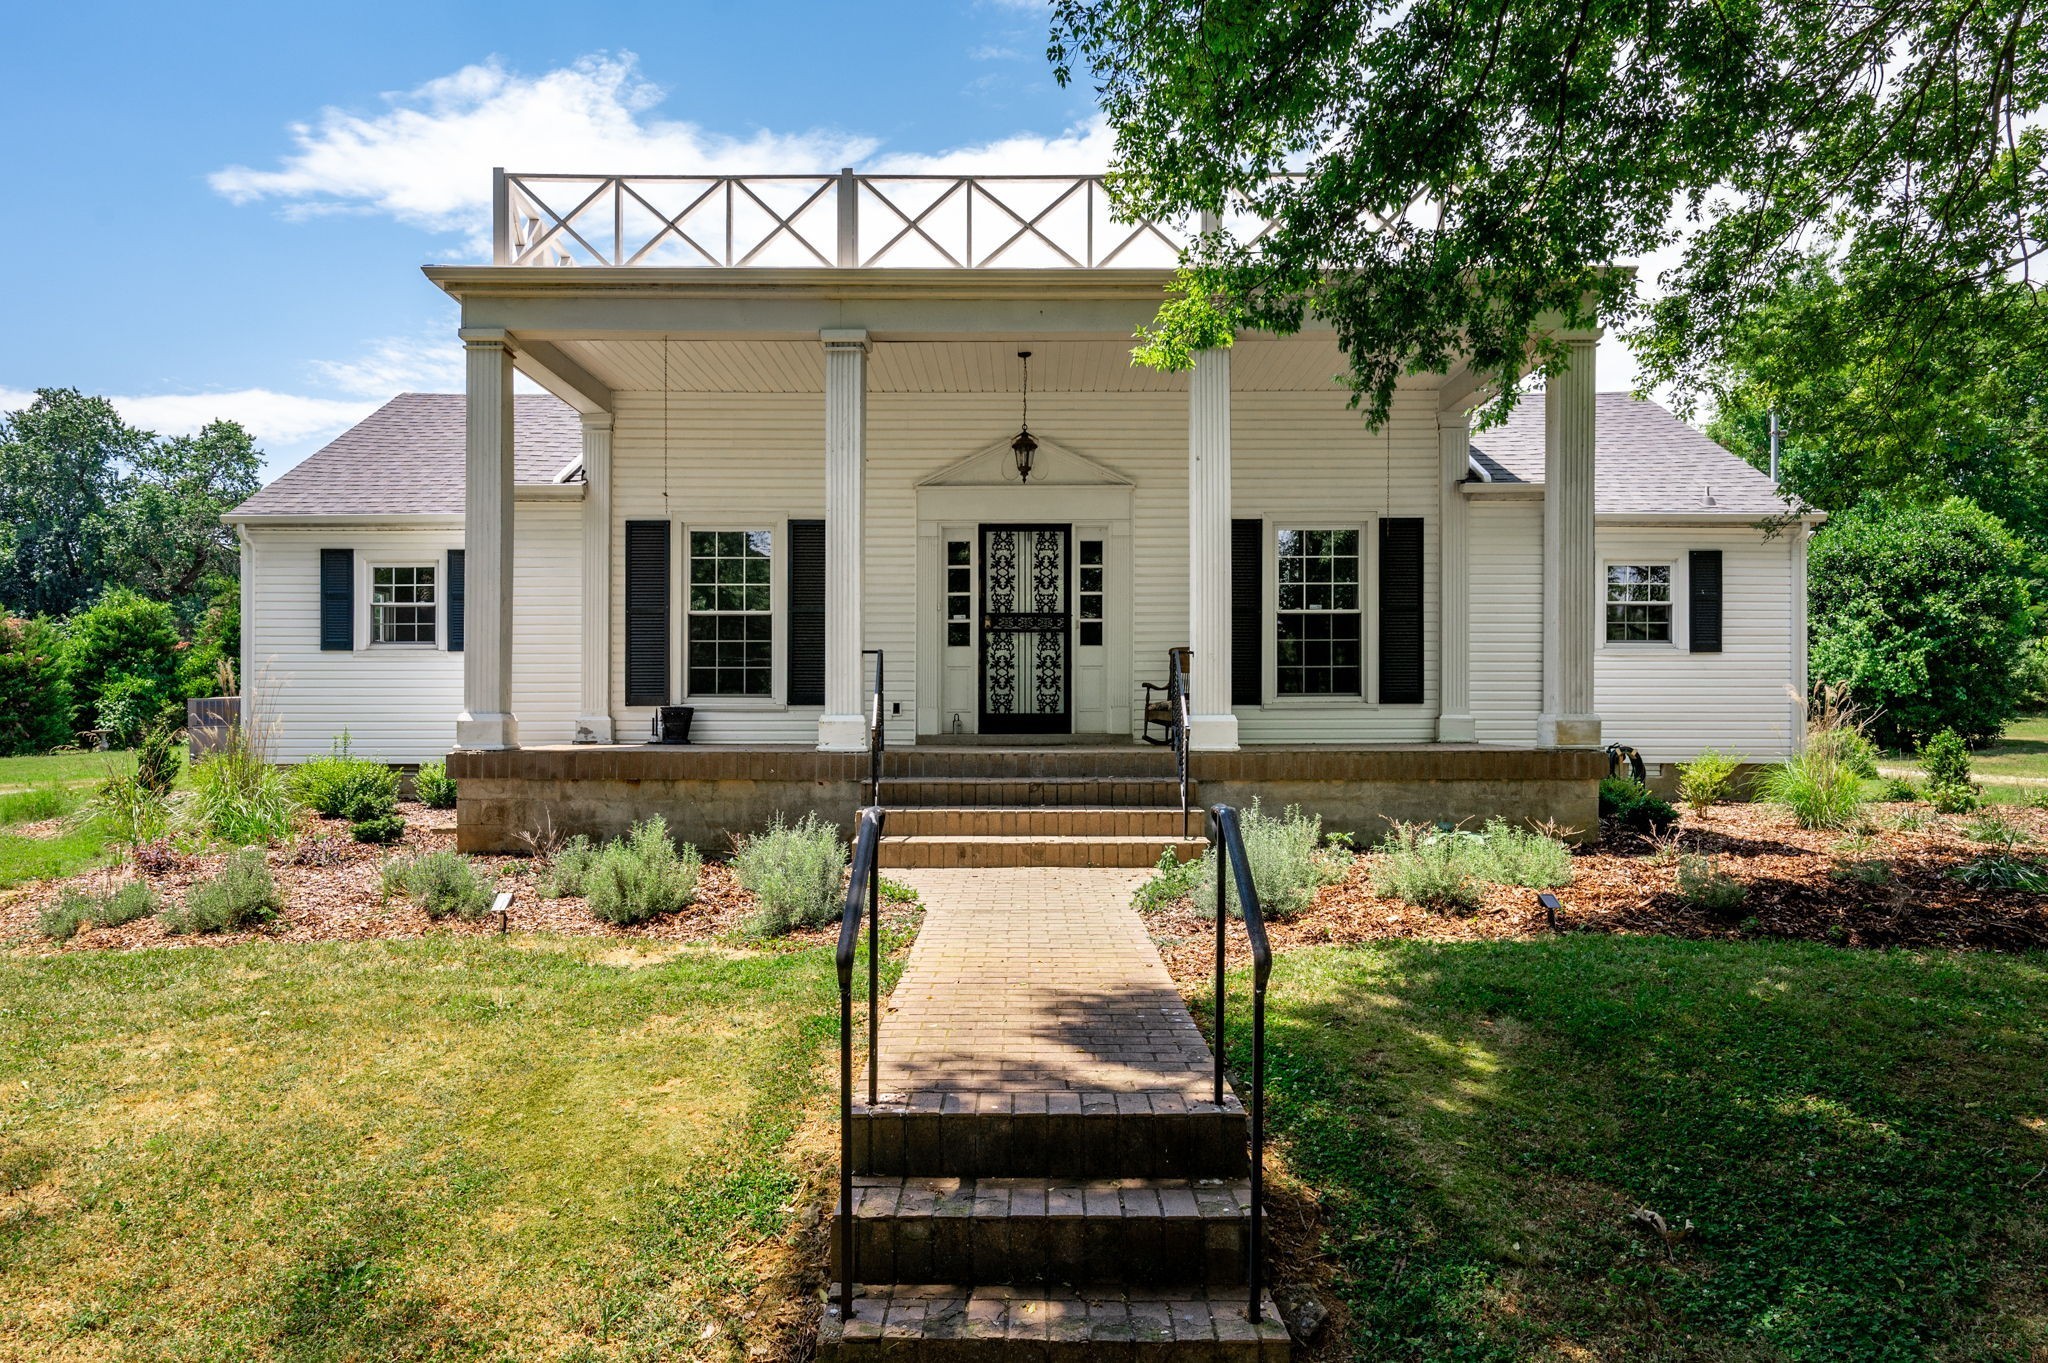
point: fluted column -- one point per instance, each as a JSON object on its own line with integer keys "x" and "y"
{"x": 486, "y": 720}
{"x": 1454, "y": 646}
{"x": 1571, "y": 592}
{"x": 1213, "y": 725}
{"x": 842, "y": 727}
{"x": 594, "y": 723}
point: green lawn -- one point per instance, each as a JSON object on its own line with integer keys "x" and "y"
{"x": 64, "y": 768}
{"x": 1858, "y": 1139}
{"x": 2021, "y": 752}
{"x": 453, "y": 1148}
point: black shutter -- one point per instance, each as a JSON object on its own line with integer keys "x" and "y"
{"x": 647, "y": 606}
{"x": 1247, "y": 612}
{"x": 805, "y": 657}
{"x": 337, "y": 600}
{"x": 455, "y": 594}
{"x": 1401, "y": 610}
{"x": 1703, "y": 570}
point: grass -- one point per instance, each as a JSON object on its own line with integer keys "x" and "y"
{"x": 68, "y": 768}
{"x": 454, "y": 1148}
{"x": 65, "y": 853}
{"x": 2022, "y": 751}
{"x": 1857, "y": 1138}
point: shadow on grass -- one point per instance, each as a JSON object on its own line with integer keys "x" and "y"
{"x": 1850, "y": 1137}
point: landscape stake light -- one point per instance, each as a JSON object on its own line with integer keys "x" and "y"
{"x": 502, "y": 906}
{"x": 1550, "y": 908}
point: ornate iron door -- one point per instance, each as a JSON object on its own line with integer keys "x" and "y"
{"x": 1025, "y": 629}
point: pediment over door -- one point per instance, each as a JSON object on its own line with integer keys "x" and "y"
{"x": 1054, "y": 466}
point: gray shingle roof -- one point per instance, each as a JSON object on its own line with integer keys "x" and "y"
{"x": 1646, "y": 462}
{"x": 406, "y": 458}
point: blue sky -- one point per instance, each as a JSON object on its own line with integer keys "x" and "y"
{"x": 222, "y": 210}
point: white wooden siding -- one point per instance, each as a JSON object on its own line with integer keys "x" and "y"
{"x": 1506, "y": 583}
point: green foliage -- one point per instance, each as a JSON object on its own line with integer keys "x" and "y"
{"x": 168, "y": 539}
{"x": 1287, "y": 858}
{"x": 1923, "y": 612}
{"x": 1171, "y": 880}
{"x": 238, "y": 796}
{"x": 1990, "y": 828}
{"x": 432, "y": 785}
{"x": 208, "y": 667}
{"x": 121, "y": 653}
{"x": 1946, "y": 760}
{"x": 378, "y": 828}
{"x": 794, "y": 873}
{"x": 441, "y": 883}
{"x": 344, "y": 786}
{"x": 242, "y": 895}
{"x": 36, "y": 804}
{"x": 129, "y": 811}
{"x": 1847, "y": 745}
{"x": 1509, "y": 854}
{"x": 1431, "y": 867}
{"x": 63, "y": 919}
{"x": 568, "y": 870}
{"x": 1704, "y": 781}
{"x": 894, "y": 891}
{"x": 2001, "y": 872}
{"x": 642, "y": 876}
{"x": 1634, "y": 806}
{"x": 1191, "y": 320}
{"x": 1707, "y": 887}
{"x": 1816, "y": 787}
{"x": 35, "y": 699}
{"x": 159, "y": 756}
{"x": 130, "y": 707}
{"x": 1897, "y": 789}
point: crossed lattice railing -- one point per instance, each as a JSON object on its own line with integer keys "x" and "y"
{"x": 962, "y": 222}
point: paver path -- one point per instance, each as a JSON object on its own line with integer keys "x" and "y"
{"x": 1037, "y": 979}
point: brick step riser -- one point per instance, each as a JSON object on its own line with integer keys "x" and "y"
{"x": 1054, "y": 1325}
{"x": 971, "y": 855}
{"x": 1030, "y": 1251}
{"x": 1028, "y": 764}
{"x": 1003, "y": 821}
{"x": 1051, "y": 1145}
{"x": 1026, "y": 794}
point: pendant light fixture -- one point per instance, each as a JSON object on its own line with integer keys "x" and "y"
{"x": 1024, "y": 447}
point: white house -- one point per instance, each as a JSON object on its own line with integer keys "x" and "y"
{"x": 783, "y": 437}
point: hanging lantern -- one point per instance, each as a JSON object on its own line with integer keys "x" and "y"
{"x": 1024, "y": 447}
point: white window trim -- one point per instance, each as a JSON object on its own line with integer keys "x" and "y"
{"x": 1368, "y": 696}
{"x": 778, "y": 547}
{"x": 1680, "y": 621}
{"x": 366, "y": 617}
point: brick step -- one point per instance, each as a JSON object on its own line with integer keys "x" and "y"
{"x": 1061, "y": 1134}
{"x": 978, "y": 850}
{"x": 1029, "y": 763}
{"x": 1093, "y": 821}
{"x": 1052, "y": 1325}
{"x": 1036, "y": 1230}
{"x": 1032, "y": 792}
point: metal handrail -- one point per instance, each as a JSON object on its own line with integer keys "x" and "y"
{"x": 877, "y": 735}
{"x": 1228, "y": 841}
{"x": 1179, "y": 663}
{"x": 863, "y": 894}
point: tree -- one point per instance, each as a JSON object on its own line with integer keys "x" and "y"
{"x": 125, "y": 644}
{"x": 1455, "y": 176}
{"x": 35, "y": 704}
{"x": 1924, "y": 612}
{"x": 168, "y": 540}
{"x": 60, "y": 461}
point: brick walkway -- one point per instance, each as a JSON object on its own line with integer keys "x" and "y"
{"x": 1038, "y": 980}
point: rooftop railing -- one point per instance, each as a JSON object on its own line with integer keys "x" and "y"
{"x": 848, "y": 221}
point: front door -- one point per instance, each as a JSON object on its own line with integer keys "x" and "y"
{"x": 1025, "y": 629}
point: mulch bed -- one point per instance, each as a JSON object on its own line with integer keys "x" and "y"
{"x": 1625, "y": 884}
{"x": 332, "y": 893}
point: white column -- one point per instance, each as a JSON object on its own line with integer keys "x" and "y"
{"x": 1454, "y": 644}
{"x": 594, "y": 724}
{"x": 486, "y": 720}
{"x": 842, "y": 727}
{"x": 1212, "y": 725}
{"x": 1571, "y": 591}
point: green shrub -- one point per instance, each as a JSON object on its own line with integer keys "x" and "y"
{"x": 642, "y": 876}
{"x": 77, "y": 908}
{"x": 1288, "y": 862}
{"x": 441, "y": 883}
{"x": 1847, "y": 745}
{"x": 159, "y": 757}
{"x": 132, "y": 901}
{"x": 1435, "y": 868}
{"x": 344, "y": 786}
{"x": 130, "y": 707}
{"x": 894, "y": 891}
{"x": 1898, "y": 790}
{"x": 1634, "y": 806}
{"x": 1704, "y": 781}
{"x": 793, "y": 872}
{"x": 1172, "y": 879}
{"x": 1705, "y": 886}
{"x": 35, "y": 700}
{"x": 378, "y": 828}
{"x": 1817, "y": 786}
{"x": 35, "y": 804}
{"x": 122, "y": 635}
{"x": 242, "y": 895}
{"x": 432, "y": 785}
{"x": 63, "y": 919}
{"x": 2001, "y": 872}
{"x": 568, "y": 870}
{"x": 1946, "y": 760}
{"x": 1510, "y": 854}
{"x": 238, "y": 796}
{"x": 129, "y": 811}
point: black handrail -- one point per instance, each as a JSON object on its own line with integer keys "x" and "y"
{"x": 1179, "y": 662}
{"x": 1229, "y": 844}
{"x": 877, "y": 738}
{"x": 863, "y": 894}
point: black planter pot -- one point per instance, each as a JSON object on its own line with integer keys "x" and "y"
{"x": 672, "y": 723}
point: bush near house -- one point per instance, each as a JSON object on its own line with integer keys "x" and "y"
{"x": 794, "y": 871}
{"x": 441, "y": 883}
{"x": 641, "y": 876}
{"x": 241, "y": 895}
{"x": 344, "y": 786}
{"x": 35, "y": 699}
{"x": 1288, "y": 862}
{"x": 238, "y": 796}
{"x": 1632, "y": 805}
{"x": 1705, "y": 781}
{"x": 1428, "y": 867}
{"x": 433, "y": 787}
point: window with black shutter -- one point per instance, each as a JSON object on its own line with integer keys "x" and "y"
{"x": 1247, "y": 612}
{"x": 647, "y": 612}
{"x": 804, "y": 659}
{"x": 1703, "y": 600}
{"x": 1401, "y": 610}
{"x": 456, "y": 579}
{"x": 337, "y": 600}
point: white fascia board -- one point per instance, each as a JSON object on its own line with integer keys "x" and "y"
{"x": 1502, "y": 492}
{"x": 315, "y": 520}
{"x": 1722, "y": 518}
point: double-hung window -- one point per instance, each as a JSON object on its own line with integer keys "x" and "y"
{"x": 1319, "y": 644}
{"x": 402, "y": 604}
{"x": 731, "y": 642}
{"x": 1638, "y": 603}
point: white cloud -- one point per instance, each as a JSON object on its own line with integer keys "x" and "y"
{"x": 426, "y": 159}
{"x": 397, "y": 364}
{"x": 1083, "y": 148}
{"x": 270, "y": 416}
{"x": 992, "y": 52}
